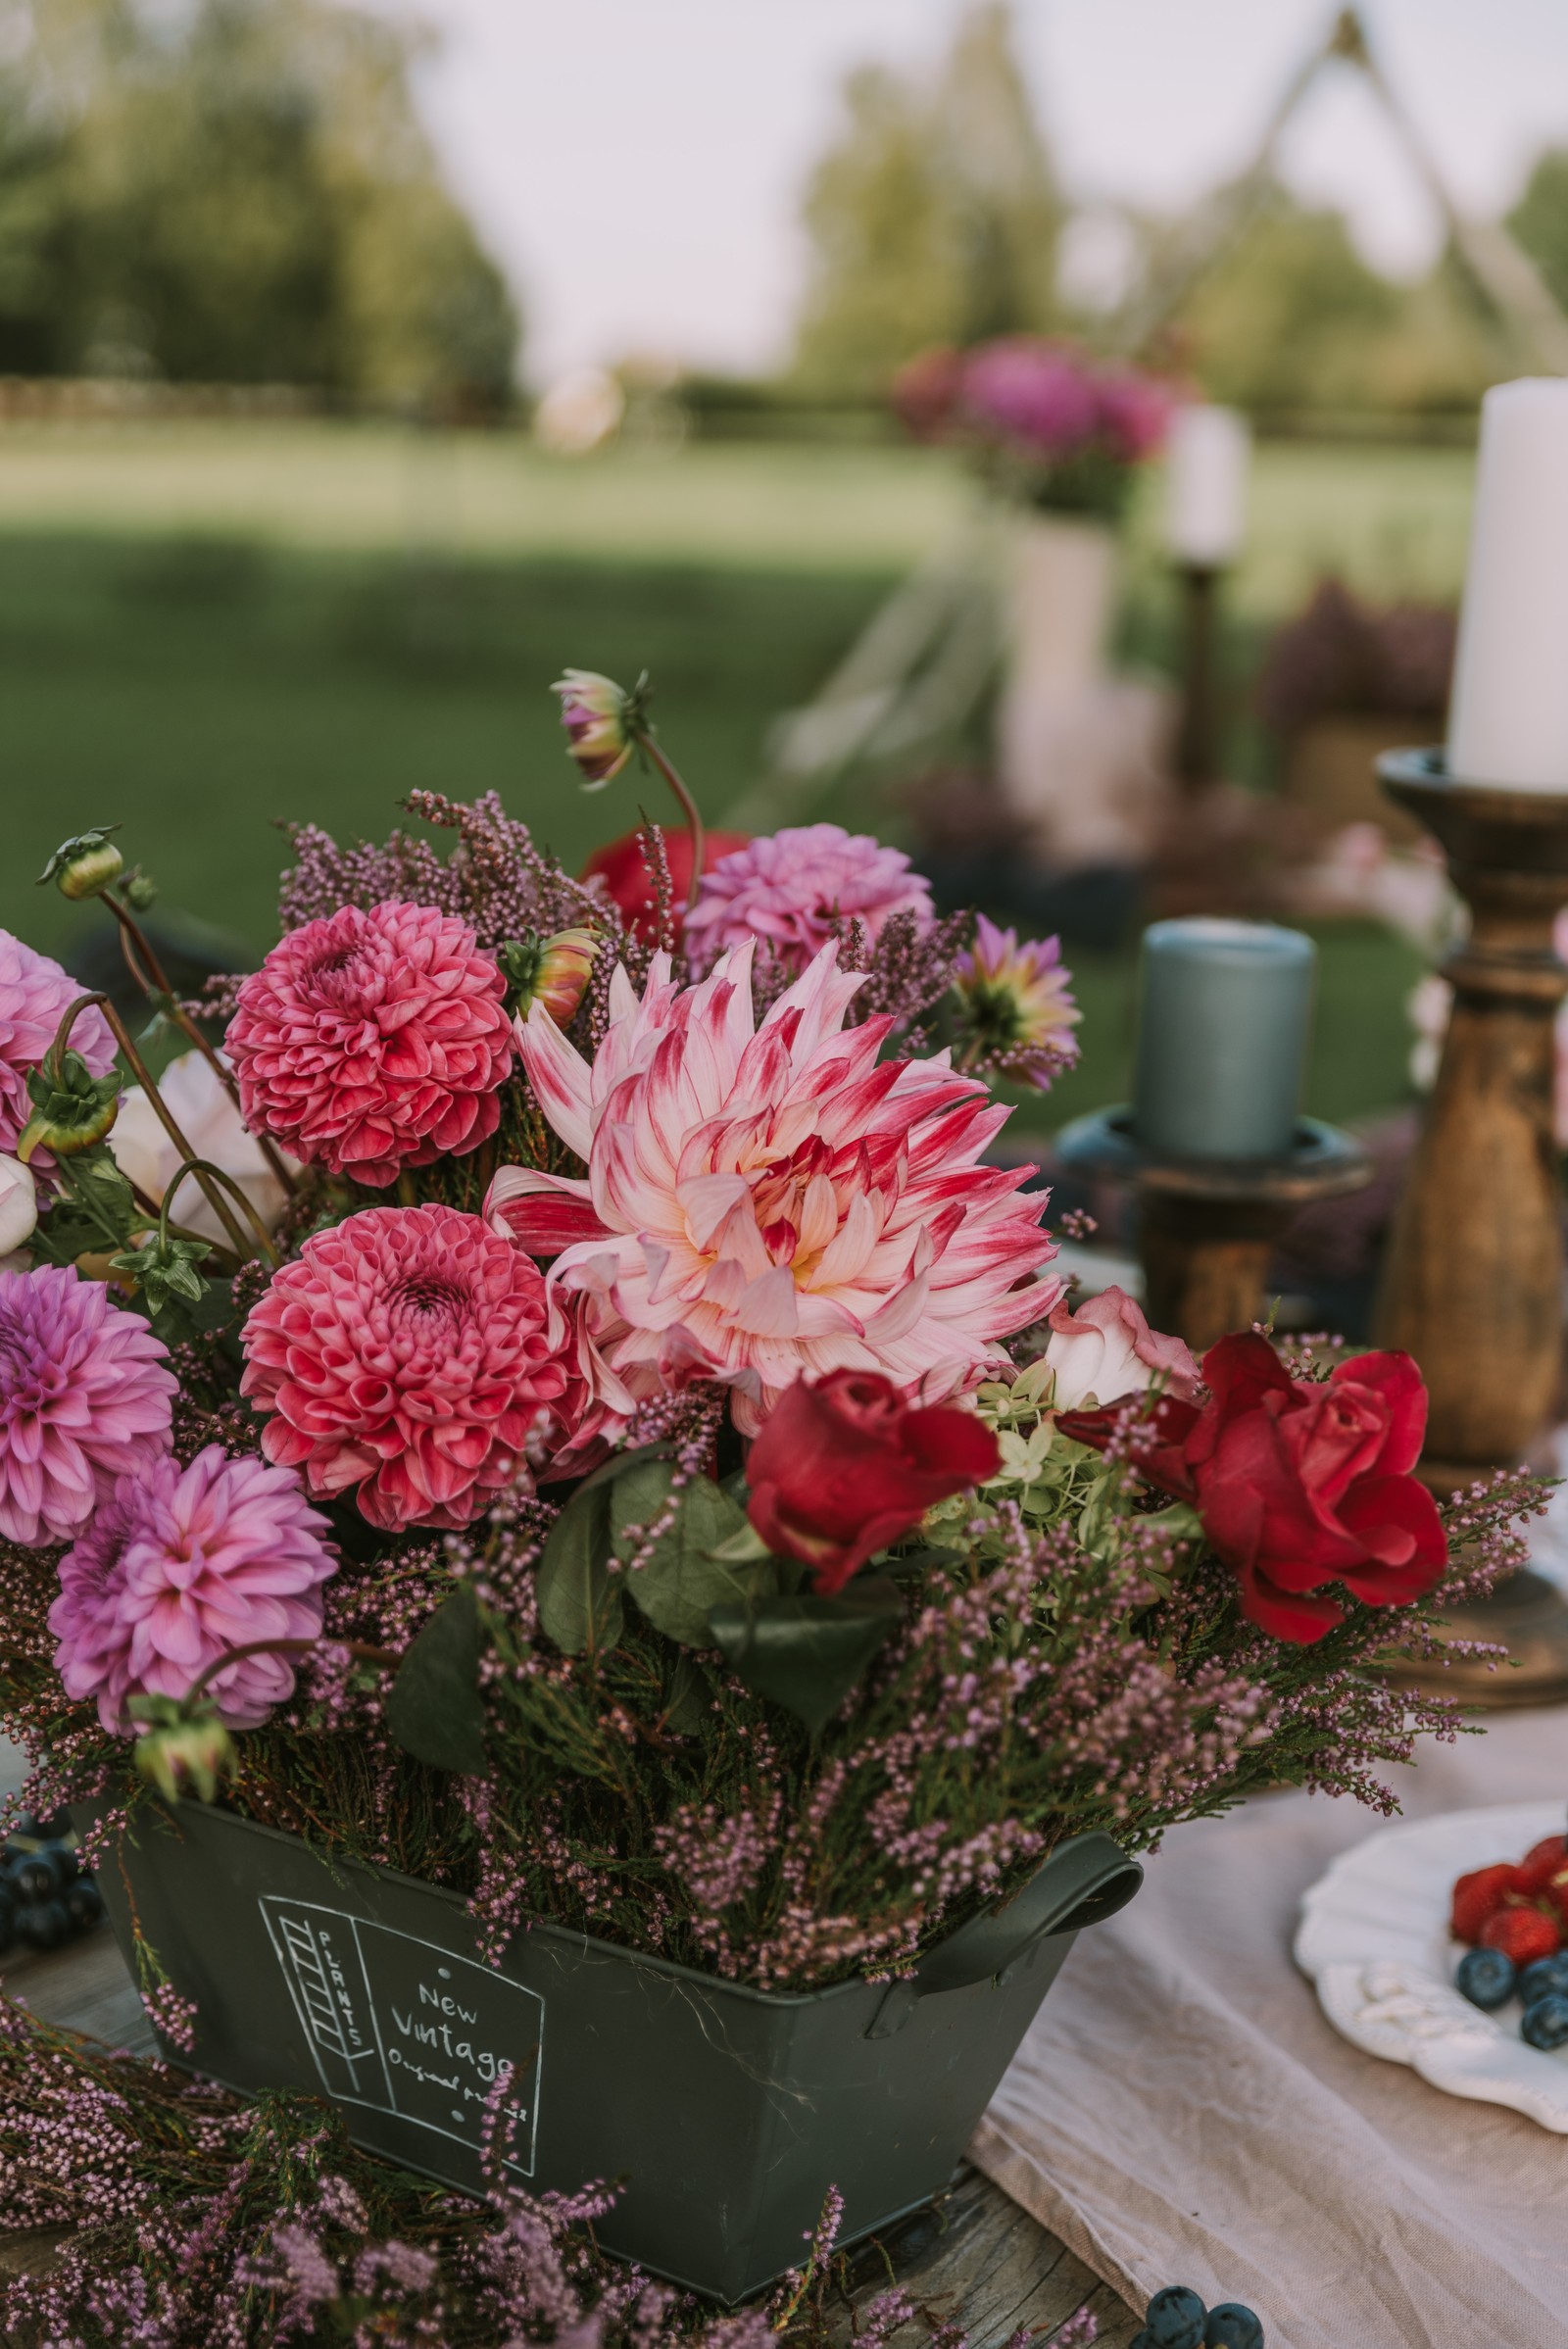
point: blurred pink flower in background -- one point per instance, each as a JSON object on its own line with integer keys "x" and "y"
{"x": 1039, "y": 395}
{"x": 36, "y": 995}
{"x": 786, "y": 890}
{"x": 371, "y": 1042}
{"x": 85, "y": 1395}
{"x": 410, "y": 1353}
{"x": 765, "y": 1203}
{"x": 180, "y": 1565}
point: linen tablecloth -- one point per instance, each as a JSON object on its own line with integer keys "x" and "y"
{"x": 1182, "y": 2113}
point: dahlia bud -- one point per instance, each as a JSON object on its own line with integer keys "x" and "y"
{"x": 19, "y": 1205}
{"x": 83, "y": 867}
{"x": 185, "y": 1749}
{"x": 602, "y": 721}
{"x": 141, "y": 890}
{"x": 70, "y": 1111}
{"x": 552, "y": 971}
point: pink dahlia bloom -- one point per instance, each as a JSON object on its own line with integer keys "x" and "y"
{"x": 410, "y": 1353}
{"x": 36, "y": 995}
{"x": 770, "y": 1203}
{"x": 788, "y": 888}
{"x": 1037, "y": 395}
{"x": 85, "y": 1394}
{"x": 371, "y": 1041}
{"x": 179, "y": 1566}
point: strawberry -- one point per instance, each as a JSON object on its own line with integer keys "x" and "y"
{"x": 1478, "y": 1896}
{"x": 1541, "y": 1863}
{"x": 1523, "y": 1934}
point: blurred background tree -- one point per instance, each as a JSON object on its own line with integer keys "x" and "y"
{"x": 1539, "y": 220}
{"x": 243, "y": 195}
{"x": 933, "y": 219}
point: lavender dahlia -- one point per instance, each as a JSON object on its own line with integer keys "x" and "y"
{"x": 85, "y": 1394}
{"x": 792, "y": 891}
{"x": 179, "y": 1566}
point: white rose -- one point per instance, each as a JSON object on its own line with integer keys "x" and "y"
{"x": 1106, "y": 1350}
{"x": 200, "y": 1105}
{"x": 19, "y": 1205}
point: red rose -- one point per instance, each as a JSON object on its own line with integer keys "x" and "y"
{"x": 623, "y": 868}
{"x": 844, "y": 1467}
{"x": 1299, "y": 1483}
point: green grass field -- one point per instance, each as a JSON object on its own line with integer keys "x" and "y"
{"x": 206, "y": 630}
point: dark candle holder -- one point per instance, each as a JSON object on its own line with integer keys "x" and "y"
{"x": 1208, "y": 1227}
{"x": 1473, "y": 1278}
{"x": 1197, "y": 729}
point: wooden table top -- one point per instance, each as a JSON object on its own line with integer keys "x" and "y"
{"x": 976, "y": 2255}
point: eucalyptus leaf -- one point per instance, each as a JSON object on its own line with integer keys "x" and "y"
{"x": 684, "y": 1576}
{"x": 580, "y": 1604}
{"x": 433, "y": 1709}
{"x": 806, "y": 1652}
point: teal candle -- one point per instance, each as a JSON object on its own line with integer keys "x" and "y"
{"x": 1223, "y": 1015}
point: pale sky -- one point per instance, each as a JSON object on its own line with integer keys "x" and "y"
{"x": 636, "y": 165}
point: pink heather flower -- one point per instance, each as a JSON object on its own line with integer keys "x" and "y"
{"x": 85, "y": 1394}
{"x": 371, "y": 1042}
{"x": 411, "y": 1353}
{"x": 178, "y": 1566}
{"x": 36, "y": 995}
{"x": 1015, "y": 1004}
{"x": 788, "y": 888}
{"x": 767, "y": 1203}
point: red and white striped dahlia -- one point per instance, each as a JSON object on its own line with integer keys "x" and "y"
{"x": 770, "y": 1203}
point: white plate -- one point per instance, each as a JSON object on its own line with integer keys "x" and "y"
{"x": 1374, "y": 1937}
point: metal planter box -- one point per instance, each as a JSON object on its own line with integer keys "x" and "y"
{"x": 728, "y": 2112}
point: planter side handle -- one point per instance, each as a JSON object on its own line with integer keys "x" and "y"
{"x": 1085, "y": 1879}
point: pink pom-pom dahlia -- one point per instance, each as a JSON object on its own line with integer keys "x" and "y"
{"x": 788, "y": 888}
{"x": 180, "y": 1566}
{"x": 36, "y": 995}
{"x": 86, "y": 1393}
{"x": 767, "y": 1203}
{"x": 371, "y": 1042}
{"x": 410, "y": 1351}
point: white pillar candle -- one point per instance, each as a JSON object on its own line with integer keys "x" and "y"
{"x": 1206, "y": 484}
{"x": 1509, "y": 720}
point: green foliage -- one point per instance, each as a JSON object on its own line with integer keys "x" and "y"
{"x": 433, "y": 1709}
{"x": 933, "y": 219}
{"x": 580, "y": 1606}
{"x": 806, "y": 1652}
{"x": 248, "y": 198}
{"x": 1539, "y": 220}
{"x": 682, "y": 1577}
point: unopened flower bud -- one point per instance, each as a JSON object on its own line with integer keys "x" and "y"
{"x": 70, "y": 1111}
{"x": 185, "y": 1748}
{"x": 552, "y": 971}
{"x": 601, "y": 720}
{"x": 84, "y": 866}
{"x": 19, "y": 1205}
{"x": 142, "y": 890}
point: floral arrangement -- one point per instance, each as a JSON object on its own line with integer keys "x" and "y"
{"x": 1345, "y": 657}
{"x": 1045, "y": 420}
{"x": 588, "y": 1423}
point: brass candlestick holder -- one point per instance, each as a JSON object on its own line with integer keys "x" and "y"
{"x": 1197, "y": 730}
{"x": 1208, "y": 1227}
{"x": 1473, "y": 1278}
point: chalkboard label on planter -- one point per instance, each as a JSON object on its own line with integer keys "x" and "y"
{"x": 402, "y": 2026}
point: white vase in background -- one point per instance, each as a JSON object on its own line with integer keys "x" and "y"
{"x": 1080, "y": 751}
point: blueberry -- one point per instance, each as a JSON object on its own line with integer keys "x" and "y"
{"x": 84, "y": 1903}
{"x": 1486, "y": 1977}
{"x": 44, "y": 1922}
{"x": 1232, "y": 2327}
{"x": 1545, "y": 1976}
{"x": 67, "y": 1861}
{"x": 1545, "y": 2023}
{"x": 36, "y": 1876}
{"x": 1174, "y": 2318}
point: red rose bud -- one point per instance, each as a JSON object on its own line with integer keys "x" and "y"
{"x": 602, "y": 721}
{"x": 1298, "y": 1481}
{"x": 844, "y": 1467}
{"x": 622, "y": 868}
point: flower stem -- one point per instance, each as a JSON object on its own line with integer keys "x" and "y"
{"x": 141, "y": 960}
{"x": 356, "y": 1648}
{"x": 199, "y": 1167}
{"x": 144, "y": 1078}
{"x": 688, "y": 808}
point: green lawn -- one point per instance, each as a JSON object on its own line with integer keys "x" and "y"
{"x": 206, "y": 630}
